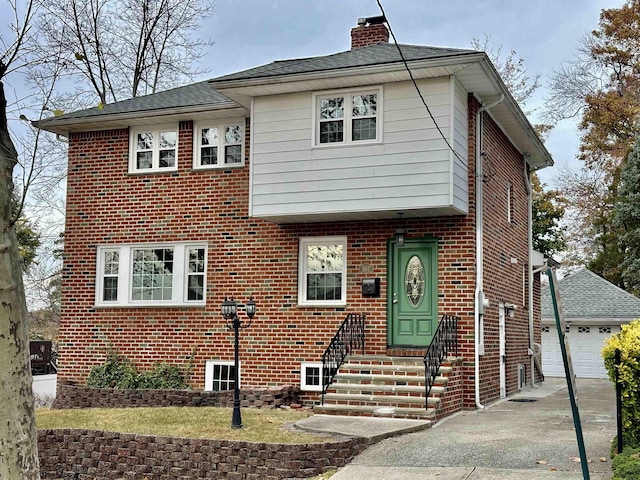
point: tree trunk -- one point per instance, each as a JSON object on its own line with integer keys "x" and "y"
{"x": 18, "y": 440}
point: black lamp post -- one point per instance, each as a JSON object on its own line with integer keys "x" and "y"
{"x": 230, "y": 314}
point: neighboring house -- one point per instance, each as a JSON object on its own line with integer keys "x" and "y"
{"x": 593, "y": 309}
{"x": 295, "y": 183}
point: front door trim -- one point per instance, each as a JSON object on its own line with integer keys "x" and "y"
{"x": 431, "y": 293}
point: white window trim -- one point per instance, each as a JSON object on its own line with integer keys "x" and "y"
{"x": 302, "y": 278}
{"x": 303, "y": 377}
{"x": 155, "y": 129}
{"x": 208, "y": 373}
{"x": 198, "y": 126}
{"x": 315, "y": 135}
{"x": 180, "y": 274}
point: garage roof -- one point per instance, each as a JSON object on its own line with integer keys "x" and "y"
{"x": 590, "y": 298}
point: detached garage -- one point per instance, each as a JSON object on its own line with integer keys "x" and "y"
{"x": 593, "y": 309}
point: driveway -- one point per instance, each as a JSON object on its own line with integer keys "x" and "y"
{"x": 531, "y": 440}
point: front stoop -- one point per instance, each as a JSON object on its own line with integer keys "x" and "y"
{"x": 382, "y": 386}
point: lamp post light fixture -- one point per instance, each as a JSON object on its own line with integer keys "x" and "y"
{"x": 230, "y": 314}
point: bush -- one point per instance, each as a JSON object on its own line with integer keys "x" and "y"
{"x": 118, "y": 372}
{"x": 626, "y": 466}
{"x": 628, "y": 342}
{"x": 163, "y": 377}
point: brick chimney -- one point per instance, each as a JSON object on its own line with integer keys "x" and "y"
{"x": 369, "y": 31}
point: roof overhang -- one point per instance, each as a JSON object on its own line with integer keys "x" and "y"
{"x": 473, "y": 71}
{"x": 102, "y": 121}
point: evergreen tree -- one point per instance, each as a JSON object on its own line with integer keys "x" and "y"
{"x": 627, "y": 216}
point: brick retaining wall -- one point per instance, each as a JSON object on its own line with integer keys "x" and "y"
{"x": 96, "y": 455}
{"x": 72, "y": 396}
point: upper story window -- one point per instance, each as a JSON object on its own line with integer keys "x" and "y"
{"x": 322, "y": 271}
{"x": 218, "y": 145}
{"x": 153, "y": 149}
{"x": 151, "y": 275}
{"x": 348, "y": 117}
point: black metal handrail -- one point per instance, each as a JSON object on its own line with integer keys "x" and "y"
{"x": 443, "y": 343}
{"x": 349, "y": 337}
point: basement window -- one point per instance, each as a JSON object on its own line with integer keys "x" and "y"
{"x": 311, "y": 376}
{"x": 219, "y": 376}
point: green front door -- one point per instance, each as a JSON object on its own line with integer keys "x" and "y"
{"x": 413, "y": 292}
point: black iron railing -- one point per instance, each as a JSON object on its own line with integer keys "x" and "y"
{"x": 444, "y": 343}
{"x": 349, "y": 337}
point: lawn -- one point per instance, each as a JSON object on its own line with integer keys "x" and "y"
{"x": 259, "y": 425}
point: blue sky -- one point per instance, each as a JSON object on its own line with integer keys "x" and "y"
{"x": 544, "y": 33}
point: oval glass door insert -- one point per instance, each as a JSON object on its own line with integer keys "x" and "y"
{"x": 415, "y": 281}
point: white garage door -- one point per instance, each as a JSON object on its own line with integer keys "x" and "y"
{"x": 585, "y": 343}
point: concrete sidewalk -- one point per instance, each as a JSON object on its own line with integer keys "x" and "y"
{"x": 532, "y": 440}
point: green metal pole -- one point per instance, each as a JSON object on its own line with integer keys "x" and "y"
{"x": 568, "y": 371}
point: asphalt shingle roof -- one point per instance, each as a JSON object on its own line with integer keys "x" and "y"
{"x": 378, "y": 54}
{"x": 586, "y": 295}
{"x": 195, "y": 94}
{"x": 202, "y": 93}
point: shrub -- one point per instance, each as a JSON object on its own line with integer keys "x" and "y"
{"x": 628, "y": 342}
{"x": 163, "y": 376}
{"x": 116, "y": 372}
{"x": 626, "y": 466}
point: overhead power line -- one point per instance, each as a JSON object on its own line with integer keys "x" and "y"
{"x": 413, "y": 80}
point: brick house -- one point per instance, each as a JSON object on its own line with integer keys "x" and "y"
{"x": 303, "y": 183}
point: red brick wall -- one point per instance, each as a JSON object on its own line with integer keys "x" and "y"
{"x": 248, "y": 256}
{"x": 369, "y": 35}
{"x": 505, "y": 257}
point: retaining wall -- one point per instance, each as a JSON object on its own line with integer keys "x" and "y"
{"x": 72, "y": 396}
{"x": 96, "y": 455}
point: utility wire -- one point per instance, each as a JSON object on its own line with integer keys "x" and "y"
{"x": 413, "y": 80}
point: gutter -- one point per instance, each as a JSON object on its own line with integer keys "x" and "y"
{"x": 480, "y": 302}
{"x": 60, "y": 125}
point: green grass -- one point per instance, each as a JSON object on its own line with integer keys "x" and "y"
{"x": 202, "y": 422}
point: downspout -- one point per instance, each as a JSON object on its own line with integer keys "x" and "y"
{"x": 526, "y": 173}
{"x": 479, "y": 293}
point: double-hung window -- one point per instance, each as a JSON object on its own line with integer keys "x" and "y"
{"x": 348, "y": 117}
{"x": 218, "y": 145}
{"x": 153, "y": 149}
{"x": 151, "y": 275}
{"x": 322, "y": 271}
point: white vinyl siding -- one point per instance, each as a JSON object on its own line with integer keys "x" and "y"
{"x": 412, "y": 169}
{"x": 461, "y": 146}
